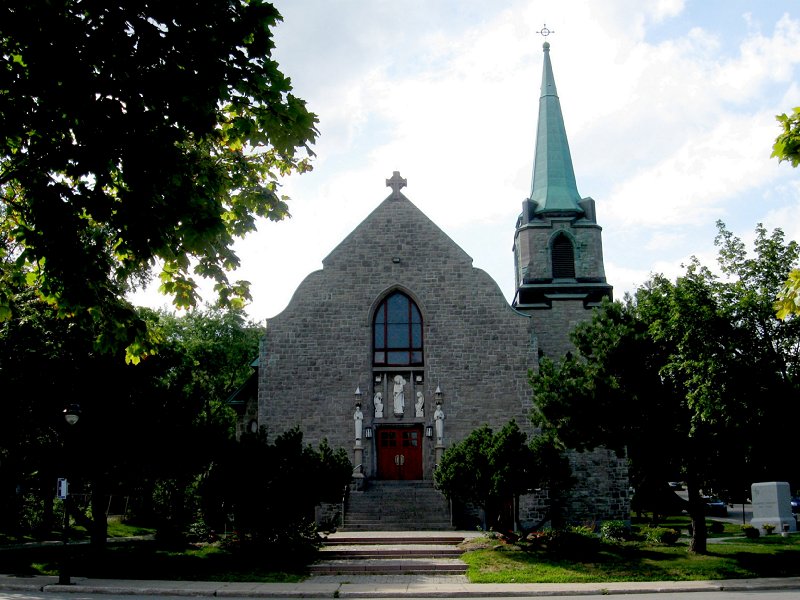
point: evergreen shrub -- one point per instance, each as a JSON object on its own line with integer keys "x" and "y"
{"x": 615, "y": 531}
{"x": 662, "y": 535}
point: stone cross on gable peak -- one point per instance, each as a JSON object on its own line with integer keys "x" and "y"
{"x": 396, "y": 183}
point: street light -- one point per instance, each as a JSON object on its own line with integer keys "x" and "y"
{"x": 71, "y": 415}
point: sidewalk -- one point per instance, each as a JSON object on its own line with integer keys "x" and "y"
{"x": 409, "y": 586}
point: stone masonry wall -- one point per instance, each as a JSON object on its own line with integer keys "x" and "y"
{"x": 553, "y": 325}
{"x": 602, "y": 491}
{"x": 535, "y": 240}
{"x": 476, "y": 347}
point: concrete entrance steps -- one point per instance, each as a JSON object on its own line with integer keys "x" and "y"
{"x": 397, "y": 506}
{"x": 384, "y": 553}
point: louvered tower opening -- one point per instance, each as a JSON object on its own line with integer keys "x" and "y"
{"x": 563, "y": 258}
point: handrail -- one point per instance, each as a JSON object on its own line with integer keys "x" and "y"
{"x": 344, "y": 498}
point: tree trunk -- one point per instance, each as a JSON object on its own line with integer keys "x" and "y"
{"x": 100, "y": 523}
{"x": 697, "y": 514}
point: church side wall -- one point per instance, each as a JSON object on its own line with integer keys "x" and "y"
{"x": 602, "y": 490}
{"x": 553, "y": 325}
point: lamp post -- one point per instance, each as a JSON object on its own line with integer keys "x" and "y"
{"x": 71, "y": 415}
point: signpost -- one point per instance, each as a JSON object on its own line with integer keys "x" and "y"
{"x": 62, "y": 488}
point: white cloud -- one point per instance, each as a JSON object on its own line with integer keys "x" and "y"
{"x": 667, "y": 133}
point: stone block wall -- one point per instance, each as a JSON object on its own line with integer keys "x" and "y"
{"x": 477, "y": 348}
{"x": 552, "y": 326}
{"x": 534, "y": 241}
{"x": 602, "y": 491}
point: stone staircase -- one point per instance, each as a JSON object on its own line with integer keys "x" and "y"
{"x": 392, "y": 553}
{"x": 397, "y": 506}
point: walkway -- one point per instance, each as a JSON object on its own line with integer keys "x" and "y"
{"x": 409, "y": 586}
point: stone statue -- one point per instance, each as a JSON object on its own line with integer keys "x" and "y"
{"x": 378, "y": 401}
{"x": 419, "y": 407}
{"x": 399, "y": 395}
{"x": 438, "y": 419}
{"x": 358, "y": 418}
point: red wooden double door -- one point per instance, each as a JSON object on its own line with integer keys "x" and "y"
{"x": 400, "y": 452}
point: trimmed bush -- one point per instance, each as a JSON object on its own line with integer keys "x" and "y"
{"x": 572, "y": 542}
{"x": 716, "y": 527}
{"x": 662, "y": 535}
{"x": 615, "y": 531}
{"x": 750, "y": 531}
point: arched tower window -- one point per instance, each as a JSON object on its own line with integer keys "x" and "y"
{"x": 397, "y": 332}
{"x": 563, "y": 255}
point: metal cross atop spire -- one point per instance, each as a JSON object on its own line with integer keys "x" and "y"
{"x": 396, "y": 183}
{"x": 544, "y": 31}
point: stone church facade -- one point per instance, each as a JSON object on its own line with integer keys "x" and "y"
{"x": 398, "y": 347}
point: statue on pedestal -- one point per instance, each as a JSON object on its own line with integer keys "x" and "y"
{"x": 378, "y": 402}
{"x": 419, "y": 407}
{"x": 358, "y": 419}
{"x": 438, "y": 420}
{"x": 399, "y": 395}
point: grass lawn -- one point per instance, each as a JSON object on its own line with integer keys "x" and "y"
{"x": 147, "y": 560}
{"x": 772, "y": 556}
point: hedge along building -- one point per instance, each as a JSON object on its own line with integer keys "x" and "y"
{"x": 398, "y": 347}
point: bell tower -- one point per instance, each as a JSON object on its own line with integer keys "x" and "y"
{"x": 558, "y": 249}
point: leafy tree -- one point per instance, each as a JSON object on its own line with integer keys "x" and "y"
{"x": 787, "y": 147}
{"x": 133, "y": 417}
{"x": 489, "y": 469}
{"x": 685, "y": 375}
{"x": 271, "y": 490}
{"x": 787, "y": 144}
{"x": 788, "y": 302}
{"x": 209, "y": 352}
{"x": 139, "y": 134}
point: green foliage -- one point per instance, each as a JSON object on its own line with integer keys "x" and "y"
{"x": 716, "y": 527}
{"x": 788, "y": 302}
{"x": 573, "y": 542}
{"x": 273, "y": 505}
{"x": 486, "y": 468}
{"x": 615, "y": 531}
{"x": 751, "y": 532}
{"x": 787, "y": 147}
{"x": 138, "y": 415}
{"x": 662, "y": 535}
{"x": 787, "y": 144}
{"x": 137, "y": 136}
{"x": 685, "y": 375}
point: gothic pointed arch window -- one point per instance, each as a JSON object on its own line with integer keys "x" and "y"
{"x": 563, "y": 256}
{"x": 397, "y": 332}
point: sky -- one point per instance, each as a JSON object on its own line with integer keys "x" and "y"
{"x": 669, "y": 107}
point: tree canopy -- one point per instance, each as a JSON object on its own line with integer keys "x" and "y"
{"x": 137, "y": 136}
{"x": 690, "y": 376}
{"x": 491, "y": 468}
{"x": 138, "y": 415}
{"x": 787, "y": 148}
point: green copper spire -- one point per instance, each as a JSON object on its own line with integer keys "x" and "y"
{"x": 553, "y": 188}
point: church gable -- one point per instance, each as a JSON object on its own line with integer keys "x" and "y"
{"x": 397, "y": 231}
{"x": 398, "y": 308}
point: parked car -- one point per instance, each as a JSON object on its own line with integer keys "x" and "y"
{"x": 795, "y": 504}
{"x": 715, "y": 507}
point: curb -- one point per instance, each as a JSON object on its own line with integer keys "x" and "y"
{"x": 383, "y": 590}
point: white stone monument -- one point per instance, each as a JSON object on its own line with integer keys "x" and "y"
{"x": 358, "y": 420}
{"x": 772, "y": 505}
